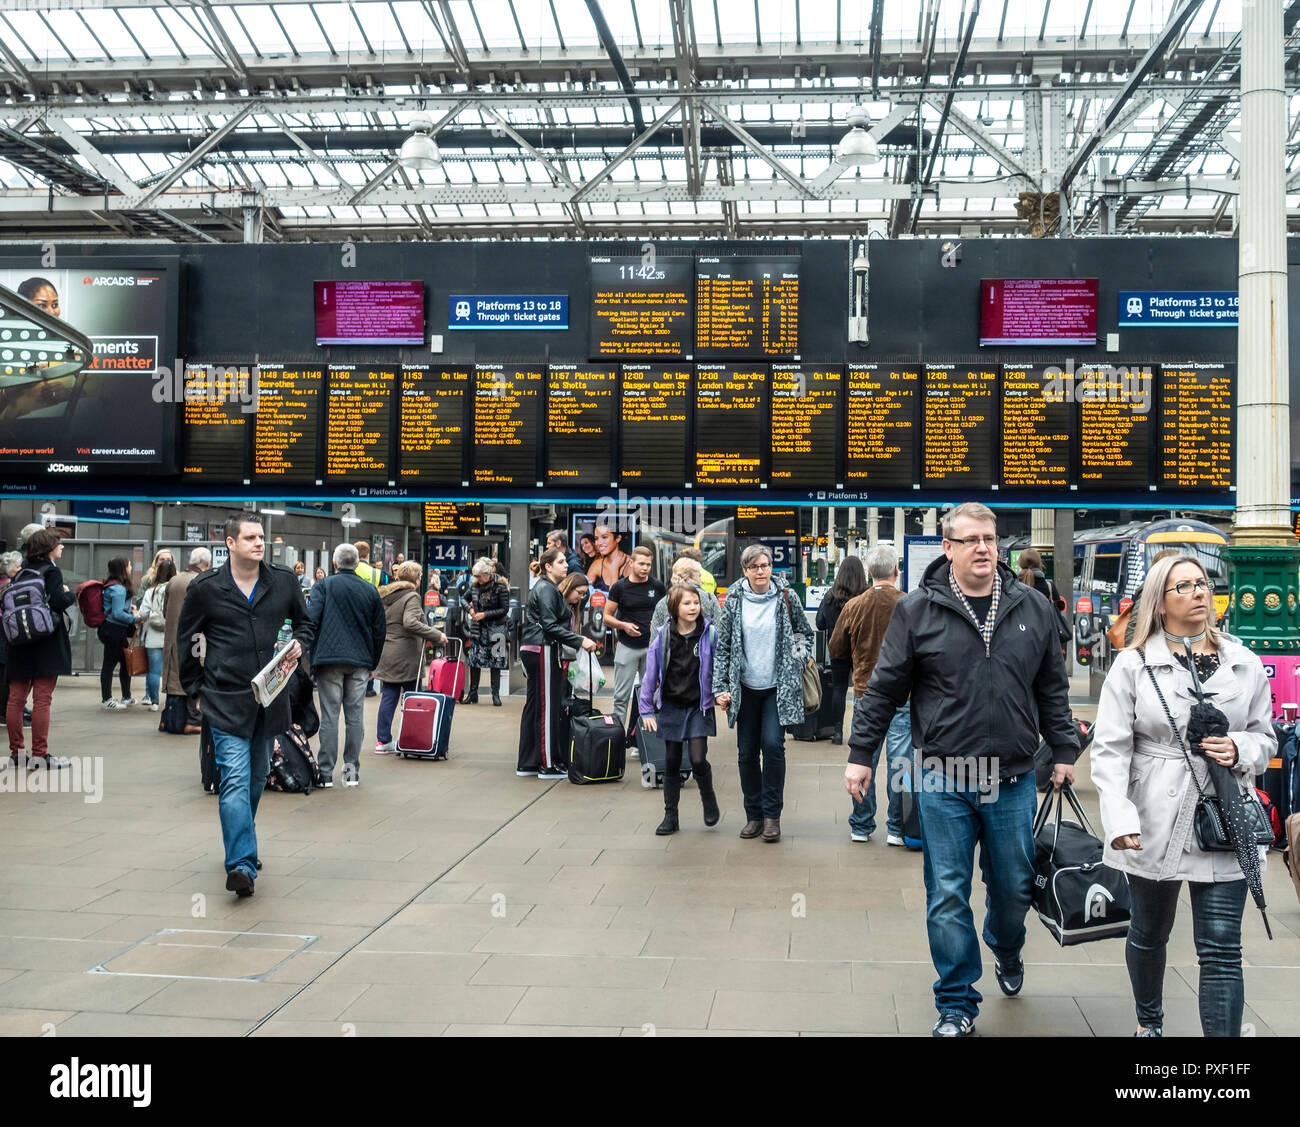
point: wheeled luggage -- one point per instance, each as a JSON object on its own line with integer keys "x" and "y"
{"x": 446, "y": 676}
{"x": 818, "y": 725}
{"x": 597, "y": 750}
{"x": 423, "y": 724}
{"x": 209, "y": 775}
{"x": 653, "y": 753}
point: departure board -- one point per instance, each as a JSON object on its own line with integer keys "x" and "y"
{"x": 219, "y": 401}
{"x": 1115, "y": 407}
{"x": 747, "y": 307}
{"x": 1196, "y": 425}
{"x": 960, "y": 413}
{"x": 287, "y": 427}
{"x": 431, "y": 424}
{"x": 772, "y": 524}
{"x": 655, "y": 402}
{"x": 358, "y": 422}
{"x": 1037, "y": 424}
{"x": 880, "y": 420}
{"x": 641, "y": 307}
{"x": 730, "y": 424}
{"x": 805, "y": 425}
{"x": 507, "y": 398}
{"x": 450, "y": 518}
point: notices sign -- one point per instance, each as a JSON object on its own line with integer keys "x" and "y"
{"x": 1038, "y": 311}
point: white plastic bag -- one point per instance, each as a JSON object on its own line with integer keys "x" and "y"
{"x": 585, "y": 673}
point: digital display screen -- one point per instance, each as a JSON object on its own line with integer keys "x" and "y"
{"x": 431, "y": 424}
{"x": 880, "y": 421}
{"x": 580, "y": 423}
{"x": 444, "y": 518}
{"x": 766, "y": 523}
{"x": 805, "y": 424}
{"x": 747, "y": 307}
{"x": 358, "y": 422}
{"x": 641, "y": 308}
{"x": 730, "y": 423}
{"x": 286, "y": 430}
{"x": 1115, "y": 409}
{"x": 1197, "y": 423}
{"x": 1037, "y": 429}
{"x": 960, "y": 412}
{"x": 377, "y": 312}
{"x": 219, "y": 401}
{"x": 655, "y": 403}
{"x": 507, "y": 398}
{"x": 1038, "y": 311}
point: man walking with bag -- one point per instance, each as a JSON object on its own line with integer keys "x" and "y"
{"x": 978, "y": 653}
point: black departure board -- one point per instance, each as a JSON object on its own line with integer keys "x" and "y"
{"x": 287, "y": 428}
{"x": 431, "y": 424}
{"x": 641, "y": 307}
{"x": 880, "y": 421}
{"x": 747, "y": 307}
{"x": 774, "y": 524}
{"x": 655, "y": 403}
{"x": 1037, "y": 428}
{"x": 219, "y": 401}
{"x": 507, "y": 398}
{"x": 1196, "y": 448}
{"x": 805, "y": 425}
{"x": 580, "y": 423}
{"x": 960, "y": 421}
{"x": 730, "y": 424}
{"x": 1115, "y": 409}
{"x": 358, "y": 422}
{"x": 450, "y": 518}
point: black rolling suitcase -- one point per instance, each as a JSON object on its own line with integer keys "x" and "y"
{"x": 208, "y": 773}
{"x": 597, "y": 747}
{"x": 654, "y": 754}
{"x": 819, "y": 725}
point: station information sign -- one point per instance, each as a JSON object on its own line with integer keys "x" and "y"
{"x": 880, "y": 423}
{"x": 655, "y": 403}
{"x": 507, "y": 399}
{"x": 730, "y": 424}
{"x": 763, "y": 524}
{"x": 431, "y": 424}
{"x": 446, "y": 518}
{"x": 805, "y": 424}
{"x": 286, "y": 433}
{"x": 747, "y": 307}
{"x": 1197, "y": 422}
{"x": 1115, "y": 409}
{"x": 641, "y": 307}
{"x": 580, "y": 423}
{"x": 960, "y": 413}
{"x": 218, "y": 402}
{"x": 1037, "y": 429}
{"x": 358, "y": 422}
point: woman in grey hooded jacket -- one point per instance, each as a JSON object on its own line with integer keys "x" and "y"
{"x": 764, "y": 642}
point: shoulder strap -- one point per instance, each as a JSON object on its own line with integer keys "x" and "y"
{"x": 1172, "y": 726}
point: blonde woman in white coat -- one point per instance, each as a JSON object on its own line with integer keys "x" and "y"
{"x": 1148, "y": 798}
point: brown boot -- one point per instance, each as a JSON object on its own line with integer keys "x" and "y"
{"x": 771, "y": 829}
{"x": 752, "y": 829}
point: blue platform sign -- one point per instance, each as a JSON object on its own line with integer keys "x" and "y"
{"x": 106, "y": 512}
{"x": 508, "y": 311}
{"x": 1178, "y": 309}
{"x": 446, "y": 553}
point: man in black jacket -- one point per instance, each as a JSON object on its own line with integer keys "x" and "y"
{"x": 978, "y": 653}
{"x": 350, "y": 627}
{"x": 227, "y": 633}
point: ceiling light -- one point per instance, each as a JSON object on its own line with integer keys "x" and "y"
{"x": 271, "y": 512}
{"x": 418, "y": 151}
{"x": 856, "y": 146}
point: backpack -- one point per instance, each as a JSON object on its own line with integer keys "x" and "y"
{"x": 1274, "y": 818}
{"x": 25, "y": 608}
{"x": 293, "y": 766}
{"x": 90, "y": 601}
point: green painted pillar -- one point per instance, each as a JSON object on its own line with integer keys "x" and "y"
{"x": 1263, "y": 610}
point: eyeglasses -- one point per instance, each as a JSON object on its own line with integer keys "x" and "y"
{"x": 1187, "y": 586}
{"x": 975, "y": 541}
{"x": 759, "y": 567}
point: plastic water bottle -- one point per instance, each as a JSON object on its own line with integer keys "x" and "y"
{"x": 285, "y": 636}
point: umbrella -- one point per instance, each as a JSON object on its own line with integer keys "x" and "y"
{"x": 1206, "y": 720}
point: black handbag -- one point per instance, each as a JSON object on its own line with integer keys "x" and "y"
{"x": 1208, "y": 821}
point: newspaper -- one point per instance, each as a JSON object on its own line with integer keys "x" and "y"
{"x": 274, "y": 675}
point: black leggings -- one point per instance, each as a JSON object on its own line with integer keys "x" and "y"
{"x": 699, "y": 747}
{"x": 114, "y": 654}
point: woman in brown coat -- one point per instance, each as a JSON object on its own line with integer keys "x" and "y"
{"x": 399, "y": 667}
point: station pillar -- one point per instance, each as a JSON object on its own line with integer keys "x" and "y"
{"x": 1263, "y": 556}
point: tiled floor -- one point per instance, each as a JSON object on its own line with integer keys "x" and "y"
{"x": 454, "y": 898}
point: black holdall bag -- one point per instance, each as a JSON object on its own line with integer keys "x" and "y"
{"x": 597, "y": 748}
{"x": 1078, "y": 896}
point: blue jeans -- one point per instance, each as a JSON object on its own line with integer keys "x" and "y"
{"x": 153, "y": 679}
{"x": 243, "y": 765}
{"x": 1216, "y": 930}
{"x": 953, "y": 822}
{"x": 388, "y": 702}
{"x": 898, "y": 748}
{"x": 758, "y": 730}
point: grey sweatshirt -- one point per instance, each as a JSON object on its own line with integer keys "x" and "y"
{"x": 758, "y": 636}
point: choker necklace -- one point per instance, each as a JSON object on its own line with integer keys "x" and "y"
{"x": 1179, "y": 637}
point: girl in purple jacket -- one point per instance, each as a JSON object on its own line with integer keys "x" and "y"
{"x": 677, "y": 700}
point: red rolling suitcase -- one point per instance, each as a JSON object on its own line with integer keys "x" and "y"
{"x": 423, "y": 728}
{"x": 447, "y": 676}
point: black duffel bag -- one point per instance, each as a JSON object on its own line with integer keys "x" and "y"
{"x": 1043, "y": 764}
{"x": 1077, "y": 895}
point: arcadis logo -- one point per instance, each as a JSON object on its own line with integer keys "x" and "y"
{"x": 110, "y": 280}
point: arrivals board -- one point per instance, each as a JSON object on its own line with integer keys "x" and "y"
{"x": 287, "y": 428}
{"x": 431, "y": 425}
{"x": 1115, "y": 408}
{"x": 731, "y": 429}
{"x": 580, "y": 423}
{"x": 655, "y": 403}
{"x": 507, "y": 399}
{"x": 747, "y": 307}
{"x": 448, "y": 518}
{"x": 641, "y": 307}
{"x": 1197, "y": 418}
{"x": 880, "y": 424}
{"x": 1037, "y": 429}
{"x": 960, "y": 420}
{"x": 358, "y": 422}
{"x": 219, "y": 401}
{"x": 805, "y": 425}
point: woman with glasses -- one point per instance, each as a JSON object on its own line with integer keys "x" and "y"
{"x": 764, "y": 642}
{"x": 1148, "y": 797}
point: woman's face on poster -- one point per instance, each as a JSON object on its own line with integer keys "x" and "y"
{"x": 606, "y": 541}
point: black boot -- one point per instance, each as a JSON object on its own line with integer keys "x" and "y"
{"x": 496, "y": 687}
{"x": 672, "y": 791}
{"x": 708, "y": 799}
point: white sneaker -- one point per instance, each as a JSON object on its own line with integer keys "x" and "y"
{"x": 855, "y": 836}
{"x": 129, "y": 700}
{"x": 894, "y": 839}
{"x": 526, "y": 774}
{"x": 153, "y": 707}
{"x": 351, "y": 781}
{"x": 385, "y": 749}
{"x": 113, "y": 705}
